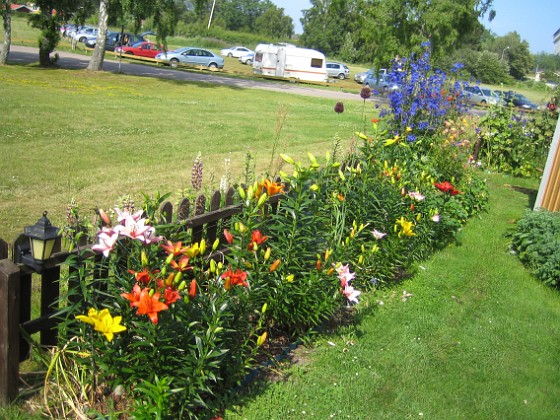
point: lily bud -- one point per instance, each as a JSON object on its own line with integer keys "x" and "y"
{"x": 241, "y": 193}
{"x": 178, "y": 276}
{"x": 264, "y": 308}
{"x": 215, "y": 244}
{"x": 262, "y": 338}
{"x": 169, "y": 259}
{"x": 192, "y": 289}
{"x": 104, "y": 217}
{"x": 341, "y": 175}
{"x": 267, "y": 254}
{"x": 287, "y": 159}
{"x": 274, "y": 265}
{"x": 182, "y": 285}
{"x": 290, "y": 278}
{"x": 144, "y": 259}
{"x": 262, "y": 199}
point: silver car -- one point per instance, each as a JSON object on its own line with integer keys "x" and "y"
{"x": 382, "y": 85}
{"x": 338, "y": 70}
{"x": 192, "y": 56}
{"x": 480, "y": 95}
{"x": 360, "y": 77}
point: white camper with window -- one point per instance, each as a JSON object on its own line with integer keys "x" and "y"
{"x": 290, "y": 62}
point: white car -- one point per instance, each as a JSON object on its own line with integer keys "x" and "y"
{"x": 235, "y": 52}
{"x": 247, "y": 58}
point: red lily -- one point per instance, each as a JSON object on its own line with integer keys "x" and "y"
{"x": 239, "y": 278}
{"x": 257, "y": 238}
{"x": 171, "y": 295}
{"x": 143, "y": 276}
{"x": 446, "y": 187}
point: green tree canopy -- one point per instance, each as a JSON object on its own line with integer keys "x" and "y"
{"x": 274, "y": 23}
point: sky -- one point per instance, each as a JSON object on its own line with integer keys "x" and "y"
{"x": 534, "y": 20}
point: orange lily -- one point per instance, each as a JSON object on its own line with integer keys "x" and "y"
{"x": 176, "y": 248}
{"x": 150, "y": 305}
{"x": 133, "y": 296}
{"x": 181, "y": 265}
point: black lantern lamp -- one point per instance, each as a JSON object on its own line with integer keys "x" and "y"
{"x": 42, "y": 238}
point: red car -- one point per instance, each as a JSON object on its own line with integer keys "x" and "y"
{"x": 141, "y": 49}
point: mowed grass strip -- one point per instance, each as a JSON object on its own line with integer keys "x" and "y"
{"x": 98, "y": 136}
{"x": 478, "y": 338}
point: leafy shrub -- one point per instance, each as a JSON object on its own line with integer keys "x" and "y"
{"x": 515, "y": 142}
{"x": 536, "y": 240}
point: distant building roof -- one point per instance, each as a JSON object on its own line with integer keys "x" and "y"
{"x": 21, "y": 8}
{"x": 556, "y": 38}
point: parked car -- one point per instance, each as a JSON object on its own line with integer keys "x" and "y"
{"x": 360, "y": 77}
{"x": 382, "y": 84}
{"x": 83, "y": 34}
{"x": 247, "y": 58}
{"x": 480, "y": 95}
{"x": 141, "y": 49}
{"x": 113, "y": 40}
{"x": 518, "y": 100}
{"x": 235, "y": 51}
{"x": 192, "y": 56}
{"x": 338, "y": 70}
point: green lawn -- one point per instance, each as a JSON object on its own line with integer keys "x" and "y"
{"x": 478, "y": 339}
{"x": 97, "y": 136}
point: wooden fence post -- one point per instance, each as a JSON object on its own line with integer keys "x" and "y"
{"x": 9, "y": 331}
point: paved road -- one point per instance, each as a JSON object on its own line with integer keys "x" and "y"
{"x": 25, "y": 55}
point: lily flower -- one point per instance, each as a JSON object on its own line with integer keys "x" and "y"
{"x": 133, "y": 296}
{"x": 123, "y": 215}
{"x": 416, "y": 195}
{"x": 351, "y": 294}
{"x": 143, "y": 276}
{"x": 106, "y": 243}
{"x": 170, "y": 295}
{"x": 103, "y": 322}
{"x": 174, "y": 248}
{"x": 344, "y": 275}
{"x": 237, "y": 278}
{"x": 257, "y": 238}
{"x": 378, "y": 235}
{"x": 132, "y": 228}
{"x": 150, "y": 305}
{"x": 182, "y": 265}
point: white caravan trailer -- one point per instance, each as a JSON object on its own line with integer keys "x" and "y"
{"x": 290, "y": 62}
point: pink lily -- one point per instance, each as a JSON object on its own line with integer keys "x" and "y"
{"x": 107, "y": 240}
{"x": 351, "y": 294}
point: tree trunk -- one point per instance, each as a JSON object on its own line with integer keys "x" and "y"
{"x": 96, "y": 61}
{"x": 7, "y": 17}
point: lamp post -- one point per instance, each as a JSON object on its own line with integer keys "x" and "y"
{"x": 502, "y": 58}
{"x": 42, "y": 237}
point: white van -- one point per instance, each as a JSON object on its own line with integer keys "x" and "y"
{"x": 290, "y": 62}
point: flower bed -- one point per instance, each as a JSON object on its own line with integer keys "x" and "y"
{"x": 177, "y": 324}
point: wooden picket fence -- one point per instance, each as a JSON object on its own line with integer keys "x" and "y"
{"x": 203, "y": 220}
